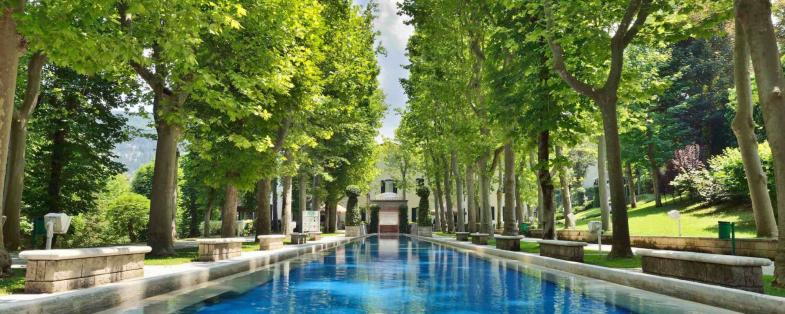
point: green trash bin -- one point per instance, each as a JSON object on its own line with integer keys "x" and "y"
{"x": 523, "y": 228}
{"x": 725, "y": 230}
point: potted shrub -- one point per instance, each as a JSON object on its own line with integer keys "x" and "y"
{"x": 424, "y": 225}
{"x": 354, "y": 225}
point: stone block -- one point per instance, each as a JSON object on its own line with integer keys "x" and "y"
{"x": 566, "y": 250}
{"x": 480, "y": 238}
{"x": 270, "y": 241}
{"x": 314, "y": 236}
{"x": 299, "y": 238}
{"x": 729, "y": 271}
{"x": 509, "y": 243}
{"x": 462, "y": 236}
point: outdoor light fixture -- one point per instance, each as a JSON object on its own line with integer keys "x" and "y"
{"x": 675, "y": 215}
{"x": 56, "y": 223}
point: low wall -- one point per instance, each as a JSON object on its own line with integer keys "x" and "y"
{"x": 766, "y": 248}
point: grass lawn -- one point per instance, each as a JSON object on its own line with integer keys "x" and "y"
{"x": 768, "y": 289}
{"x": 14, "y": 283}
{"x": 181, "y": 256}
{"x": 696, "y": 220}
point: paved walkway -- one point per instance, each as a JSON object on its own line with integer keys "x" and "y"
{"x": 157, "y": 270}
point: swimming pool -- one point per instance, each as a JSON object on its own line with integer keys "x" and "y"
{"x": 400, "y": 274}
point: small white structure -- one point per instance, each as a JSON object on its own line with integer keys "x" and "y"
{"x": 675, "y": 215}
{"x": 56, "y": 223}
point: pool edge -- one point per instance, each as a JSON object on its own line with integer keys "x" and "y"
{"x": 727, "y": 298}
{"x": 91, "y": 300}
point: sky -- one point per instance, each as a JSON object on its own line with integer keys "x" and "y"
{"x": 393, "y": 37}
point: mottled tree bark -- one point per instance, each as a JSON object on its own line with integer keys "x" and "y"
{"x": 754, "y": 16}
{"x": 286, "y": 206}
{"x": 471, "y": 207}
{"x": 263, "y": 226}
{"x": 229, "y": 212}
{"x": 448, "y": 209}
{"x": 274, "y": 189}
{"x": 602, "y": 184}
{"x": 654, "y": 169}
{"x": 744, "y": 128}
{"x": 458, "y": 192}
{"x": 439, "y": 203}
{"x": 509, "y": 187}
{"x": 569, "y": 223}
{"x": 303, "y": 185}
{"x": 631, "y": 187}
{"x": 546, "y": 186}
{"x": 208, "y": 212}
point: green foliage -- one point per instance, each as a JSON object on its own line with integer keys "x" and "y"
{"x": 727, "y": 170}
{"x": 352, "y": 214}
{"x": 143, "y": 180}
{"x": 71, "y": 139}
{"x": 403, "y": 218}
{"x": 423, "y": 211}
{"x": 128, "y": 214}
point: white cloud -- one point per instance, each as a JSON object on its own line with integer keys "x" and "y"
{"x": 394, "y": 36}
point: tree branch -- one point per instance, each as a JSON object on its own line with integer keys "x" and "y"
{"x": 495, "y": 161}
{"x": 558, "y": 60}
{"x": 33, "y": 89}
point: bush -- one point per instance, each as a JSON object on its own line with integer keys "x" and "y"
{"x": 727, "y": 169}
{"x": 403, "y": 218}
{"x": 699, "y": 185}
{"x": 128, "y": 216}
{"x": 215, "y": 227}
{"x": 352, "y": 215}
{"x": 423, "y": 212}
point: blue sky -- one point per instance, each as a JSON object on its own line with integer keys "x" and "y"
{"x": 394, "y": 35}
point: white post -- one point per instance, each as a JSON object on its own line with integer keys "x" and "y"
{"x": 50, "y": 226}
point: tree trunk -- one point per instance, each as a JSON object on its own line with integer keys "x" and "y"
{"x": 229, "y": 212}
{"x": 208, "y": 213}
{"x": 439, "y": 202}
{"x": 448, "y": 209}
{"x": 263, "y": 226}
{"x": 509, "y": 187}
{"x": 655, "y": 171}
{"x": 471, "y": 209}
{"x": 193, "y": 227}
{"x": 286, "y": 206}
{"x": 521, "y": 210}
{"x": 164, "y": 185}
{"x": 316, "y": 202}
{"x": 621, "y": 230}
{"x": 303, "y": 185}
{"x": 56, "y": 165}
{"x": 15, "y": 184}
{"x": 546, "y": 186}
{"x": 755, "y": 18}
{"x": 631, "y": 186}
{"x": 11, "y": 48}
{"x": 744, "y": 128}
{"x": 569, "y": 222}
{"x": 485, "y": 191}
{"x": 275, "y": 223}
{"x": 602, "y": 183}
{"x": 16, "y": 163}
{"x": 458, "y": 192}
{"x": 498, "y": 214}
{"x": 540, "y": 201}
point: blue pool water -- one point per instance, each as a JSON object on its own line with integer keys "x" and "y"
{"x": 394, "y": 275}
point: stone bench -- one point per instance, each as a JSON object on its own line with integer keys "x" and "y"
{"x": 462, "y": 236}
{"x": 51, "y": 271}
{"x": 211, "y": 250}
{"x": 314, "y": 236}
{"x": 566, "y": 250}
{"x": 509, "y": 243}
{"x": 299, "y": 238}
{"x": 270, "y": 241}
{"x": 738, "y": 272}
{"x": 480, "y": 238}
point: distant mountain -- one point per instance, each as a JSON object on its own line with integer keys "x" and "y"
{"x": 139, "y": 150}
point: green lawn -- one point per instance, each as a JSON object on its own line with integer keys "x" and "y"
{"x": 696, "y": 220}
{"x": 768, "y": 289}
{"x": 15, "y": 283}
{"x": 181, "y": 256}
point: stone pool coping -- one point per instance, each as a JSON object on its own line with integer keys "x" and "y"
{"x": 173, "y": 278}
{"x": 727, "y": 298}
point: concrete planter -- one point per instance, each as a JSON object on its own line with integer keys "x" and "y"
{"x": 355, "y": 231}
{"x": 462, "y": 236}
{"x": 425, "y": 231}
